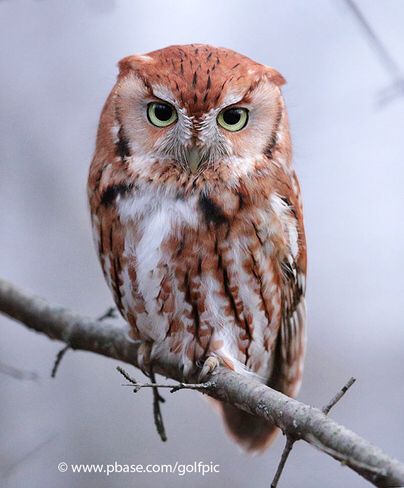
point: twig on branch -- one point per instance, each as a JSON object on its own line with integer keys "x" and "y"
{"x": 285, "y": 455}
{"x": 58, "y": 359}
{"x": 17, "y": 373}
{"x": 110, "y": 313}
{"x": 294, "y": 418}
{"x": 203, "y": 387}
{"x": 338, "y": 396}
{"x": 157, "y": 398}
{"x": 290, "y": 440}
{"x": 157, "y": 415}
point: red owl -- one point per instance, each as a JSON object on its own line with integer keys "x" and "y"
{"x": 197, "y": 218}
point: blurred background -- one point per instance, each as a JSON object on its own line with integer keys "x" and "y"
{"x": 58, "y": 63}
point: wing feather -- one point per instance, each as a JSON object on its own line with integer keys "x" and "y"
{"x": 289, "y": 350}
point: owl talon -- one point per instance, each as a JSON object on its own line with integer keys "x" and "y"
{"x": 208, "y": 367}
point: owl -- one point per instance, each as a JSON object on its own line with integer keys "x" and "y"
{"x": 197, "y": 217}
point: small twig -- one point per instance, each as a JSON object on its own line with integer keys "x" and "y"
{"x": 18, "y": 374}
{"x": 157, "y": 398}
{"x": 158, "y": 416}
{"x": 338, "y": 396}
{"x": 285, "y": 454}
{"x": 58, "y": 359}
{"x": 110, "y": 313}
{"x": 290, "y": 440}
{"x": 126, "y": 375}
{"x": 173, "y": 387}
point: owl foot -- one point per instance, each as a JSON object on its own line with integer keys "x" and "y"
{"x": 210, "y": 364}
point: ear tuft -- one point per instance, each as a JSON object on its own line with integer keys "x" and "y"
{"x": 275, "y": 77}
{"x": 133, "y": 63}
{"x": 125, "y": 65}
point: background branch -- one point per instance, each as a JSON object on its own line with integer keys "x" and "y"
{"x": 397, "y": 85}
{"x": 17, "y": 373}
{"x": 294, "y": 418}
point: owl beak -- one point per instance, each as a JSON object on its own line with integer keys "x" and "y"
{"x": 194, "y": 158}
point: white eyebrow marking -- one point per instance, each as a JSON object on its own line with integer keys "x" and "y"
{"x": 232, "y": 98}
{"x": 161, "y": 91}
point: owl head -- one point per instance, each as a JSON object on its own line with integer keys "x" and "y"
{"x": 197, "y": 108}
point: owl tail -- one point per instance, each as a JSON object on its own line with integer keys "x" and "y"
{"x": 253, "y": 433}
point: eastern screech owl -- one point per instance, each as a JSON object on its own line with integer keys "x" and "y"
{"x": 197, "y": 217}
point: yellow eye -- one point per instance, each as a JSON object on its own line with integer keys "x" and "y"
{"x": 161, "y": 114}
{"x": 233, "y": 119}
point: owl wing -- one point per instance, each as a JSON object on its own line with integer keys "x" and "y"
{"x": 109, "y": 236}
{"x": 289, "y": 349}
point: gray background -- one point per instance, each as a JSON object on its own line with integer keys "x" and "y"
{"x": 57, "y": 65}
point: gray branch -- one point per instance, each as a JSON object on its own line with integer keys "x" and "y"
{"x": 297, "y": 420}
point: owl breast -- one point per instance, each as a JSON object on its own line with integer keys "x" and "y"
{"x": 198, "y": 277}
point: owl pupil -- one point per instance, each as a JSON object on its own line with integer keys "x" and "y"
{"x": 232, "y": 116}
{"x": 163, "y": 112}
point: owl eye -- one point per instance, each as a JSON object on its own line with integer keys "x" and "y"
{"x": 161, "y": 114}
{"x": 233, "y": 119}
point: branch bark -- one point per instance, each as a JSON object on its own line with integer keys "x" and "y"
{"x": 295, "y": 419}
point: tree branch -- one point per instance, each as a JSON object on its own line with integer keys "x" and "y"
{"x": 397, "y": 85}
{"x": 294, "y": 418}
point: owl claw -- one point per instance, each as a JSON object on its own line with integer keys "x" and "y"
{"x": 208, "y": 367}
